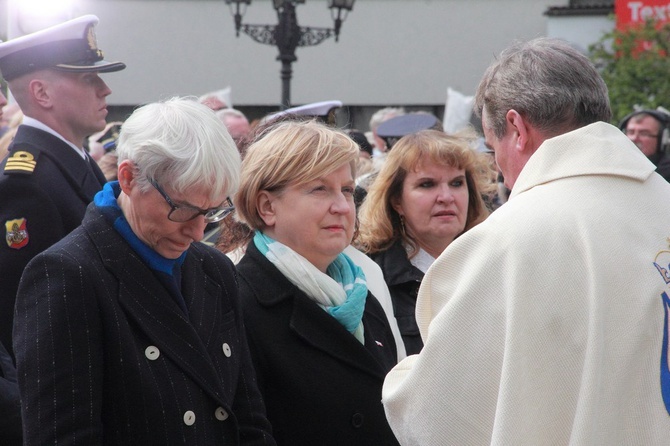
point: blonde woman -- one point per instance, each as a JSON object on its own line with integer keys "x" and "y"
{"x": 320, "y": 341}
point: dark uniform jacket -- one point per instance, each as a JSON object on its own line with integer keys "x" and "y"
{"x": 105, "y": 355}
{"x": 44, "y": 189}
{"x": 403, "y": 280}
{"x": 320, "y": 384}
{"x": 10, "y": 410}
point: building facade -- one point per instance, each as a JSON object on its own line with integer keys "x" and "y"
{"x": 390, "y": 52}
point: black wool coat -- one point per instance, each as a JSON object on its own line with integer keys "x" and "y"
{"x": 106, "y": 356}
{"x": 47, "y": 185}
{"x": 320, "y": 384}
{"x": 403, "y": 280}
{"x": 10, "y": 409}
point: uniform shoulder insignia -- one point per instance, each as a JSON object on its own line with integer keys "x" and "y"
{"x": 21, "y": 162}
{"x": 17, "y": 233}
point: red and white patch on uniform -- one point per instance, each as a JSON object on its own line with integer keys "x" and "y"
{"x": 17, "y": 233}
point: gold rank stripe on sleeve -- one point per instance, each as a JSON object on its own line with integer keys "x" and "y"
{"x": 21, "y": 162}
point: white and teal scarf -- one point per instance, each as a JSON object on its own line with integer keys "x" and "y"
{"x": 341, "y": 291}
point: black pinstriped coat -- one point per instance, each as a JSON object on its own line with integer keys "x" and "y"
{"x": 51, "y": 199}
{"x": 10, "y": 411}
{"x": 106, "y": 356}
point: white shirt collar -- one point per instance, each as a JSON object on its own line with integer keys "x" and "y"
{"x": 422, "y": 260}
{"x": 32, "y": 122}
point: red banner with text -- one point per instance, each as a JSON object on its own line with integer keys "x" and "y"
{"x": 636, "y": 12}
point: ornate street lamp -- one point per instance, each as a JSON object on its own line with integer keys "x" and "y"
{"x": 287, "y": 35}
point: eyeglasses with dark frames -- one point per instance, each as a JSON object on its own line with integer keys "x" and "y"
{"x": 641, "y": 133}
{"x": 181, "y": 213}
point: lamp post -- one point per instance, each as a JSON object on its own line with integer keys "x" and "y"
{"x": 287, "y": 35}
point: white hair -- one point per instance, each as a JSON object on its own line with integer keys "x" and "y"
{"x": 181, "y": 143}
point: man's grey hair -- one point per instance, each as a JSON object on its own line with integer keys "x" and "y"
{"x": 551, "y": 84}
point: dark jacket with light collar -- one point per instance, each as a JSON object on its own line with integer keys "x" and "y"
{"x": 45, "y": 187}
{"x": 320, "y": 384}
{"x": 403, "y": 280}
{"x": 106, "y": 356}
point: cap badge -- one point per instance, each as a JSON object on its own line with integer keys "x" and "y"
{"x": 21, "y": 162}
{"x": 92, "y": 41}
{"x": 17, "y": 233}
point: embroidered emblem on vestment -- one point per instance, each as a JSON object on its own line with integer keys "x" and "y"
{"x": 665, "y": 367}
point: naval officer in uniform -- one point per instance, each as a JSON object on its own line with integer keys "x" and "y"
{"x": 47, "y": 179}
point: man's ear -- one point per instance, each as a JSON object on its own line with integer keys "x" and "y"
{"x": 265, "y": 207}
{"x": 519, "y": 126}
{"x": 126, "y": 176}
{"x": 528, "y": 138}
{"x": 38, "y": 90}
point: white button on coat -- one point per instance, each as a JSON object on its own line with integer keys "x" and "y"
{"x": 189, "y": 418}
{"x": 226, "y": 350}
{"x": 152, "y": 353}
{"x": 221, "y": 414}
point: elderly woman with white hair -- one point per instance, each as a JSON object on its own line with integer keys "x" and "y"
{"x": 129, "y": 331}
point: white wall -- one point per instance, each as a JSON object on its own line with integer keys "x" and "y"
{"x": 582, "y": 31}
{"x": 391, "y": 52}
